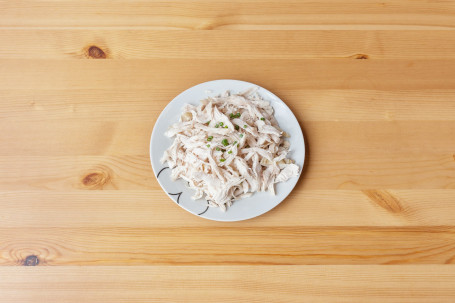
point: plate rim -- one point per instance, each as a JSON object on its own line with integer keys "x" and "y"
{"x": 156, "y": 173}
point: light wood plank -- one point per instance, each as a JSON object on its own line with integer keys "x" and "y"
{"x": 355, "y": 171}
{"x": 239, "y": 14}
{"x": 133, "y": 172}
{"x": 147, "y": 104}
{"x": 78, "y": 173}
{"x": 229, "y": 284}
{"x": 370, "y": 139}
{"x": 201, "y": 245}
{"x": 153, "y": 209}
{"x": 274, "y": 74}
{"x": 148, "y": 44}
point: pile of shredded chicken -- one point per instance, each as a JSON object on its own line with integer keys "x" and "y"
{"x": 229, "y": 147}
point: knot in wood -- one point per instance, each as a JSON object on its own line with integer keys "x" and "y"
{"x": 31, "y": 260}
{"x": 385, "y": 200}
{"x": 361, "y": 56}
{"x": 96, "y": 180}
{"x": 96, "y": 53}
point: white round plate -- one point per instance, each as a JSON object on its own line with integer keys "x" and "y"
{"x": 259, "y": 203}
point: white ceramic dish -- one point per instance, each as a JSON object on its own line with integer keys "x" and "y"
{"x": 258, "y": 203}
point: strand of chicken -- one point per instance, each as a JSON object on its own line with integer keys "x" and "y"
{"x": 229, "y": 147}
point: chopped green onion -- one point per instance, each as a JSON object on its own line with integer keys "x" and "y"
{"x": 262, "y": 118}
{"x": 222, "y": 160}
{"x": 217, "y": 125}
{"x": 208, "y": 122}
{"x": 225, "y": 127}
{"x": 210, "y": 138}
{"x": 221, "y": 123}
{"x": 237, "y": 115}
{"x": 208, "y": 145}
{"x": 218, "y": 149}
{"x": 231, "y": 115}
{"x": 235, "y": 142}
{"x": 245, "y": 126}
{"x": 241, "y": 135}
{"x": 225, "y": 142}
{"x": 230, "y": 152}
{"x": 236, "y": 127}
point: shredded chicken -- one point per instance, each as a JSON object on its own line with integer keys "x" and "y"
{"x": 229, "y": 147}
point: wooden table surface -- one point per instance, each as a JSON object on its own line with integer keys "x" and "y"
{"x": 372, "y": 84}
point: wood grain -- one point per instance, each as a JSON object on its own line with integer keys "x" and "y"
{"x": 372, "y": 84}
{"x": 408, "y": 283}
{"x": 224, "y": 245}
{"x": 274, "y": 74}
{"x": 416, "y": 138}
{"x": 231, "y": 15}
{"x": 149, "y": 44}
{"x": 132, "y": 172}
{"x": 153, "y": 209}
{"x": 56, "y": 105}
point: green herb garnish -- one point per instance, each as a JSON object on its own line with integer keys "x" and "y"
{"x": 230, "y": 152}
{"x": 225, "y": 142}
{"x": 208, "y": 145}
{"x": 241, "y": 135}
{"x": 217, "y": 148}
{"x": 236, "y": 127}
{"x": 262, "y": 118}
{"x": 245, "y": 126}
{"x": 222, "y": 160}
{"x": 210, "y": 138}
